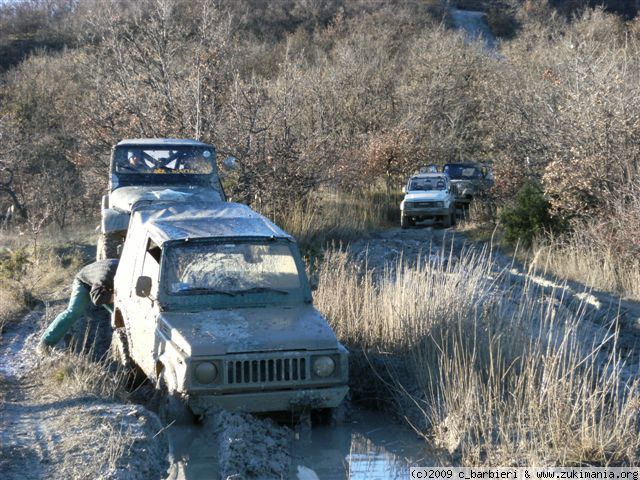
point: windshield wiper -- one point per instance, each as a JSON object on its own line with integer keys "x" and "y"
{"x": 207, "y": 290}
{"x": 262, "y": 290}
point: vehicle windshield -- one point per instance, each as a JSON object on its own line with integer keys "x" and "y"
{"x": 164, "y": 160}
{"x": 461, "y": 172}
{"x": 425, "y": 184}
{"x": 231, "y": 268}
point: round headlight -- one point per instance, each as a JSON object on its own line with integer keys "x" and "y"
{"x": 324, "y": 366}
{"x": 206, "y": 372}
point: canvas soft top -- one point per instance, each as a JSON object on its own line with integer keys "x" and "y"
{"x": 141, "y": 142}
{"x": 174, "y": 221}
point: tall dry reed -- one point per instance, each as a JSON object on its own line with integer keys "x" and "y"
{"x": 598, "y": 266}
{"x": 498, "y": 372}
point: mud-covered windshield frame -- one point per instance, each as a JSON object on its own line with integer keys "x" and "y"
{"x": 434, "y": 180}
{"x": 225, "y": 300}
{"x": 161, "y": 176}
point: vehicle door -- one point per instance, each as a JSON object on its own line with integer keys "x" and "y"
{"x": 143, "y": 311}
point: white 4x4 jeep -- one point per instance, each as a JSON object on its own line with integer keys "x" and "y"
{"x": 428, "y": 196}
{"x": 212, "y": 302}
{"x": 150, "y": 170}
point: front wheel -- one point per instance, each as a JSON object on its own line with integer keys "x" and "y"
{"x": 404, "y": 222}
{"x": 322, "y": 416}
{"x": 120, "y": 353}
{"x": 446, "y": 221}
{"x": 171, "y": 408}
{"x": 120, "y": 348}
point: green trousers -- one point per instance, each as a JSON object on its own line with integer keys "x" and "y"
{"x": 78, "y": 304}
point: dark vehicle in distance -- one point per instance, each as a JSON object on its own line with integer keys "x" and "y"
{"x": 468, "y": 180}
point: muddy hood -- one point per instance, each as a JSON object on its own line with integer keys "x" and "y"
{"x": 248, "y": 330}
{"x": 124, "y": 198}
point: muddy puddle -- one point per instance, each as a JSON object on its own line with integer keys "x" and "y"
{"x": 366, "y": 445}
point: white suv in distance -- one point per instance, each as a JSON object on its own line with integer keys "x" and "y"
{"x": 428, "y": 196}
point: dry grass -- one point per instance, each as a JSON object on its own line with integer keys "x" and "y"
{"x": 329, "y": 216}
{"x": 69, "y": 375}
{"x": 12, "y": 302}
{"x": 580, "y": 259}
{"x": 29, "y": 275}
{"x": 499, "y": 373}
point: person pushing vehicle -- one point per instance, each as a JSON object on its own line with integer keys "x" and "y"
{"x": 94, "y": 283}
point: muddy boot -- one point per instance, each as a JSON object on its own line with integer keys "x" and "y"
{"x": 43, "y": 349}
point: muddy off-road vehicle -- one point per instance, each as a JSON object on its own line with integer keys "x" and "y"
{"x": 469, "y": 179}
{"x": 428, "y": 196}
{"x": 212, "y": 302}
{"x": 150, "y": 170}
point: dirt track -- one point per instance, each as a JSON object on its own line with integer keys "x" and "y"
{"x": 45, "y": 434}
{"x": 42, "y": 437}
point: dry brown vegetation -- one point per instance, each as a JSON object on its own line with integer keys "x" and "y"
{"x": 328, "y": 94}
{"x": 314, "y": 96}
{"x": 34, "y": 269}
{"x": 498, "y": 373}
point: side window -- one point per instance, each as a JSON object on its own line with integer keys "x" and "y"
{"x": 151, "y": 265}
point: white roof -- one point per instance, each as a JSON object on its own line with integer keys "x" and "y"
{"x": 430, "y": 175}
{"x": 162, "y": 141}
{"x": 178, "y": 221}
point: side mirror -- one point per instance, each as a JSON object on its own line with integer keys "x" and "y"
{"x": 230, "y": 163}
{"x": 404, "y": 189}
{"x": 143, "y": 286}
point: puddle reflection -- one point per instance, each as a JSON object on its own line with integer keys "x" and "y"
{"x": 367, "y": 445}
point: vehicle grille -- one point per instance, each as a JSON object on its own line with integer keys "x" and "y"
{"x": 274, "y": 370}
{"x": 427, "y": 204}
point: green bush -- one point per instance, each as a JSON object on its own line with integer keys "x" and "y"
{"x": 529, "y": 217}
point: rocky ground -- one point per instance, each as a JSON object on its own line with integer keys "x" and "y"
{"x": 48, "y": 431}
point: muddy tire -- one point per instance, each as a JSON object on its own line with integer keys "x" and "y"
{"x": 120, "y": 354}
{"x": 446, "y": 221}
{"x": 120, "y": 348}
{"x": 107, "y": 246}
{"x": 406, "y": 222}
{"x": 171, "y": 408}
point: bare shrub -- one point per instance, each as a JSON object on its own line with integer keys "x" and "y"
{"x": 601, "y": 253}
{"x": 330, "y": 216}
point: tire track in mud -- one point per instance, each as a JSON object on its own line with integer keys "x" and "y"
{"x": 24, "y": 452}
{"x": 47, "y": 434}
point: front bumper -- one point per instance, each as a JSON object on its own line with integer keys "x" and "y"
{"x": 426, "y": 212}
{"x": 270, "y": 401}
{"x": 114, "y": 221}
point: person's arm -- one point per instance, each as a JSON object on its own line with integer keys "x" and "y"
{"x": 101, "y": 295}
